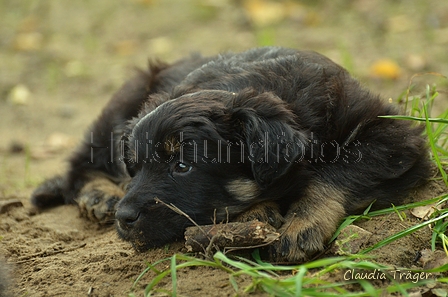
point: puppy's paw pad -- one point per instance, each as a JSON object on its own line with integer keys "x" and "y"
{"x": 97, "y": 200}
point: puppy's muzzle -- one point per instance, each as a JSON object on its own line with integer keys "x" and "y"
{"x": 127, "y": 218}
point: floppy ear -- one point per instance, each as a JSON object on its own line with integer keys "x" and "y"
{"x": 272, "y": 138}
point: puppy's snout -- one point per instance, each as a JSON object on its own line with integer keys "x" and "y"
{"x": 127, "y": 217}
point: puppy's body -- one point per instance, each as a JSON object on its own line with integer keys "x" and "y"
{"x": 274, "y": 134}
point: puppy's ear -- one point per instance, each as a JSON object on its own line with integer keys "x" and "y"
{"x": 268, "y": 129}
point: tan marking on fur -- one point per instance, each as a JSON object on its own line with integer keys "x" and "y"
{"x": 96, "y": 207}
{"x": 171, "y": 145}
{"x": 104, "y": 185}
{"x": 243, "y": 189}
{"x": 267, "y": 211}
{"x": 319, "y": 210}
{"x": 134, "y": 157}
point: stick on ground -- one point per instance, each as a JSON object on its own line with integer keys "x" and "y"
{"x": 229, "y": 235}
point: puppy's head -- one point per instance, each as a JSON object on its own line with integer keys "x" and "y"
{"x": 210, "y": 154}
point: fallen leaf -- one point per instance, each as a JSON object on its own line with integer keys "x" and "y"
{"x": 430, "y": 259}
{"x": 386, "y": 69}
{"x": 439, "y": 292}
{"x": 263, "y": 12}
{"x": 424, "y": 212}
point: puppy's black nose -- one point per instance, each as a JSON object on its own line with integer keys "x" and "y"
{"x": 127, "y": 217}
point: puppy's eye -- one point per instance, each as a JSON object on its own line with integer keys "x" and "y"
{"x": 182, "y": 167}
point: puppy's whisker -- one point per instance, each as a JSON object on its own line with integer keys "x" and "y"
{"x": 179, "y": 211}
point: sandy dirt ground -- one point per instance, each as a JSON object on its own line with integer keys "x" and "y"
{"x": 62, "y": 60}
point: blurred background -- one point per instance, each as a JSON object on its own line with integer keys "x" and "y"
{"x": 61, "y": 60}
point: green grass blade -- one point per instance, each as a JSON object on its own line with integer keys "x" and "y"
{"x": 413, "y": 118}
{"x": 150, "y": 267}
{"x": 233, "y": 282}
{"x": 174, "y": 275}
{"x": 349, "y": 220}
{"x": 155, "y": 281}
{"x": 368, "y": 288}
{"x": 147, "y": 269}
{"x": 299, "y": 281}
{"x": 402, "y": 233}
{"x": 408, "y": 206}
{"x": 432, "y": 144}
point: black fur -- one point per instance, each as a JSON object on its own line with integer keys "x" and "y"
{"x": 287, "y": 129}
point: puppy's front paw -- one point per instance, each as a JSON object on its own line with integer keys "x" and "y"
{"x": 310, "y": 223}
{"x": 267, "y": 212}
{"x": 299, "y": 240}
{"x": 97, "y": 200}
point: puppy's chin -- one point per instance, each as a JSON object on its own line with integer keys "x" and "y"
{"x": 139, "y": 240}
{"x": 142, "y": 247}
{"x": 149, "y": 233}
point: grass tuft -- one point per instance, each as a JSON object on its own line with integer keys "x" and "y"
{"x": 295, "y": 280}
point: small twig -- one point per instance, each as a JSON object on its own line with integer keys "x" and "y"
{"x": 179, "y": 211}
{"x": 231, "y": 236}
{"x": 48, "y": 253}
{"x": 231, "y": 249}
{"x": 211, "y": 245}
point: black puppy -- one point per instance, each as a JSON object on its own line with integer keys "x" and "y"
{"x": 283, "y": 136}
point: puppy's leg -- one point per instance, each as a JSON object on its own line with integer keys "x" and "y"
{"x": 267, "y": 212}
{"x": 98, "y": 197}
{"x": 310, "y": 222}
{"x": 99, "y": 151}
{"x": 50, "y": 192}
